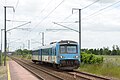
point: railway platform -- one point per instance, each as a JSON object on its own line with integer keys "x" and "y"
{"x": 17, "y": 72}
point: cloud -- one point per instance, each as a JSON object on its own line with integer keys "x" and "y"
{"x": 107, "y": 1}
{"x": 103, "y": 1}
{"x": 96, "y": 30}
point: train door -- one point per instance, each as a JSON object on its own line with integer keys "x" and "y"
{"x": 53, "y": 55}
{"x": 40, "y": 55}
{"x": 50, "y": 55}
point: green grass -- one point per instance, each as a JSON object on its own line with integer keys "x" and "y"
{"x": 27, "y": 56}
{"x": 3, "y": 69}
{"x": 110, "y": 67}
{"x": 3, "y": 72}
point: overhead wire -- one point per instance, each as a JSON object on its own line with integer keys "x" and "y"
{"x": 87, "y": 7}
{"x": 1, "y": 4}
{"x": 67, "y": 16}
{"x": 49, "y": 14}
{"x": 17, "y": 4}
{"x": 46, "y": 6}
{"x": 81, "y": 9}
{"x": 96, "y": 11}
{"x": 90, "y": 5}
{"x": 15, "y": 7}
{"x": 76, "y": 11}
{"x": 102, "y": 9}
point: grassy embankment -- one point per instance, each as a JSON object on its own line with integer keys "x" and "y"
{"x": 110, "y": 67}
{"x": 3, "y": 70}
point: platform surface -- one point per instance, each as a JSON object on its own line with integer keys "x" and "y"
{"x": 17, "y": 72}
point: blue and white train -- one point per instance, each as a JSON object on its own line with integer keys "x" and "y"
{"x": 64, "y": 54}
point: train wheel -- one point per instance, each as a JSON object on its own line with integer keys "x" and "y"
{"x": 55, "y": 66}
{"x": 34, "y": 61}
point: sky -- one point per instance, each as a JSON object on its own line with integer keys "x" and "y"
{"x": 99, "y": 22}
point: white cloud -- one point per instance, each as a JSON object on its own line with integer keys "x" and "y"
{"x": 96, "y": 30}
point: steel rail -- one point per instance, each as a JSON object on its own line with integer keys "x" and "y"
{"x": 22, "y": 63}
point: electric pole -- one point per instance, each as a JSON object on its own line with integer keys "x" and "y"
{"x": 5, "y": 36}
{"x": 5, "y": 39}
{"x": 28, "y": 44}
{"x": 42, "y": 38}
{"x": 79, "y": 26}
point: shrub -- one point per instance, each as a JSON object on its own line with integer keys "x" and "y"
{"x": 90, "y": 58}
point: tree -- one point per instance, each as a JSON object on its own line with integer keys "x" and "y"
{"x": 118, "y": 50}
{"x": 19, "y": 52}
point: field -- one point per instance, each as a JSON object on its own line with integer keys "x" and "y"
{"x": 110, "y": 67}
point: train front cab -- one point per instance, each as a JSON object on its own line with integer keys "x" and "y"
{"x": 69, "y": 56}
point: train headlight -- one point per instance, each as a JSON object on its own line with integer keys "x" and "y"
{"x": 62, "y": 57}
{"x": 76, "y": 57}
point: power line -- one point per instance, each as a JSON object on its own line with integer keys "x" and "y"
{"x": 69, "y": 15}
{"x": 90, "y": 4}
{"x": 66, "y": 27}
{"x": 17, "y": 4}
{"x": 1, "y": 4}
{"x": 81, "y": 9}
{"x": 102, "y": 9}
{"x": 19, "y": 26}
{"x": 49, "y": 14}
{"x": 46, "y": 6}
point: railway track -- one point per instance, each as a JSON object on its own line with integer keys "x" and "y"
{"x": 40, "y": 73}
{"x": 87, "y": 75}
{"x": 55, "y": 74}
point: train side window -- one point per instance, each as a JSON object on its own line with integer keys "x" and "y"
{"x": 50, "y": 50}
{"x": 47, "y": 51}
{"x": 62, "y": 49}
{"x": 55, "y": 51}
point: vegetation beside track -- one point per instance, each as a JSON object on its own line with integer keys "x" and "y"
{"x": 26, "y": 54}
{"x": 96, "y": 64}
{"x": 111, "y": 62}
{"x": 3, "y": 69}
{"x": 3, "y": 72}
{"x": 110, "y": 67}
{"x": 103, "y": 51}
{"x": 2, "y": 57}
{"x": 90, "y": 58}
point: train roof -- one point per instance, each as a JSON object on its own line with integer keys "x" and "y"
{"x": 53, "y": 44}
{"x": 64, "y": 41}
{"x": 46, "y": 46}
{"x": 67, "y": 41}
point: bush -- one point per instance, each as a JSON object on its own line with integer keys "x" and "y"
{"x": 90, "y": 58}
{"x": 23, "y": 53}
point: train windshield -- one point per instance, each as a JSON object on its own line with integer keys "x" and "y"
{"x": 68, "y": 49}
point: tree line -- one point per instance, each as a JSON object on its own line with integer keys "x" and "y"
{"x": 23, "y": 53}
{"x": 103, "y": 51}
